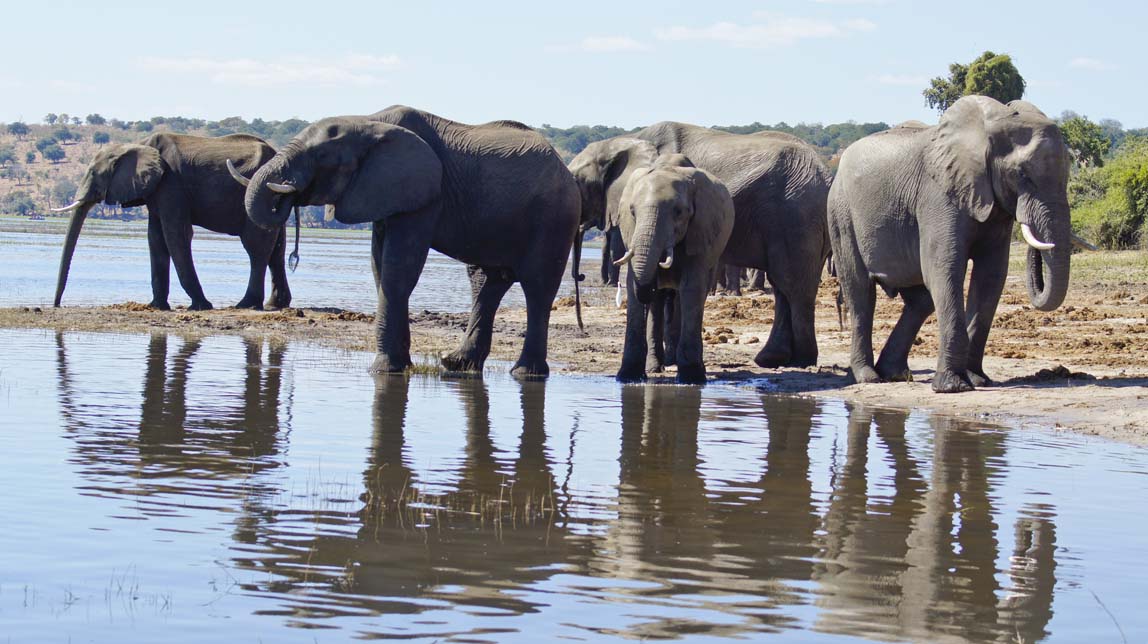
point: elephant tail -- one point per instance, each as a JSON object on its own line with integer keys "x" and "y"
{"x": 293, "y": 260}
{"x": 578, "y": 277}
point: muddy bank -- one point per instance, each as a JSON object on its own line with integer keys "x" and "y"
{"x": 1083, "y": 367}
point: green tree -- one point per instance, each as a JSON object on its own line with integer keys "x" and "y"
{"x": 118, "y": 124}
{"x": 100, "y": 138}
{"x": 991, "y": 74}
{"x": 53, "y": 153}
{"x": 1110, "y": 204}
{"x": 1087, "y": 141}
{"x": 51, "y": 118}
{"x": 143, "y": 126}
{"x": 29, "y": 157}
{"x": 18, "y": 129}
{"x": 44, "y": 142}
{"x": 7, "y": 155}
{"x": 63, "y": 135}
{"x": 18, "y": 202}
{"x": 63, "y": 191}
{"x": 96, "y": 119}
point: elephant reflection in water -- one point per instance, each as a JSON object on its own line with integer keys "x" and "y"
{"x": 942, "y": 530}
{"x": 219, "y": 443}
{"x": 496, "y": 530}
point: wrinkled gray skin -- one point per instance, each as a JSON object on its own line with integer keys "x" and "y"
{"x": 911, "y": 206}
{"x": 677, "y": 214}
{"x": 779, "y": 188}
{"x": 495, "y": 196}
{"x": 184, "y": 181}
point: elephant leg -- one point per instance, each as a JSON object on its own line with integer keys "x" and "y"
{"x": 893, "y": 365}
{"x": 160, "y": 264}
{"x": 802, "y": 309}
{"x": 399, "y": 248}
{"x": 732, "y": 279}
{"x": 487, "y": 290}
{"x": 691, "y": 298}
{"x": 634, "y": 349}
{"x": 607, "y": 260}
{"x": 258, "y": 245}
{"x": 757, "y": 279}
{"x": 944, "y": 276}
{"x": 673, "y": 330}
{"x": 990, "y": 269}
{"x": 860, "y": 296}
{"x": 778, "y": 349}
{"x": 617, "y": 250}
{"x": 280, "y": 291}
{"x": 655, "y": 333}
{"x": 177, "y": 232}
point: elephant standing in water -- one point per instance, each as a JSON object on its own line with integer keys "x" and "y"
{"x": 779, "y": 188}
{"x": 911, "y": 206}
{"x": 184, "y": 182}
{"x": 495, "y": 196}
{"x": 676, "y": 219}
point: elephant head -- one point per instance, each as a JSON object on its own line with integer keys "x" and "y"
{"x": 988, "y": 157}
{"x": 669, "y": 208}
{"x": 120, "y": 174}
{"x": 362, "y": 170}
{"x": 602, "y": 170}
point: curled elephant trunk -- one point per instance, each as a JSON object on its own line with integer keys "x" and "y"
{"x": 1049, "y": 240}
{"x": 79, "y": 214}
{"x": 270, "y": 198}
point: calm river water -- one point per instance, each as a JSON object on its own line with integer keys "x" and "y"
{"x": 111, "y": 266}
{"x": 219, "y": 489}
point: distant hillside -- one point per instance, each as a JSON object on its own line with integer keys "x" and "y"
{"x": 41, "y": 164}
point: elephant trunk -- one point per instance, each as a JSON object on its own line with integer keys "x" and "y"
{"x": 266, "y": 205}
{"x": 1047, "y": 270}
{"x": 79, "y": 214}
{"x": 650, "y": 241}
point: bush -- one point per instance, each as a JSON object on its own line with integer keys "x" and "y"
{"x": 96, "y": 119}
{"x": 1110, "y": 204}
{"x": 44, "y": 143}
{"x": 53, "y": 153}
{"x": 100, "y": 138}
{"x": 18, "y": 129}
{"x": 18, "y": 202}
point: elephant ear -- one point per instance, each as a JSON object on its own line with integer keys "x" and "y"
{"x": 712, "y": 223}
{"x": 958, "y": 157}
{"x": 135, "y": 174}
{"x": 628, "y": 156}
{"x": 623, "y": 219}
{"x": 398, "y": 173}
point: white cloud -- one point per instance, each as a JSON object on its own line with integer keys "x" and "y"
{"x": 1091, "y": 64}
{"x": 352, "y": 69}
{"x": 770, "y": 30}
{"x": 608, "y": 44}
{"x": 901, "y": 79}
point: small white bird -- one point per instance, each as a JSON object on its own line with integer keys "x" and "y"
{"x": 618, "y": 295}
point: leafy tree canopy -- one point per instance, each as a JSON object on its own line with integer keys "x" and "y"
{"x": 1087, "y": 141}
{"x": 18, "y": 129}
{"x": 51, "y": 118}
{"x": 53, "y": 153}
{"x": 100, "y": 138}
{"x": 95, "y": 119}
{"x": 991, "y": 74}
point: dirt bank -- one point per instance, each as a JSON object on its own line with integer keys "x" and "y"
{"x": 1083, "y": 367}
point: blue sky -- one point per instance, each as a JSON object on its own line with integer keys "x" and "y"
{"x": 618, "y": 62}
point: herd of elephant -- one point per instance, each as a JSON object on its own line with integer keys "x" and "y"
{"x": 907, "y": 210}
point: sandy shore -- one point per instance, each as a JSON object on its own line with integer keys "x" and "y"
{"x": 1083, "y": 367}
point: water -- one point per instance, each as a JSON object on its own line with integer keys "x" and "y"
{"x": 165, "y": 489}
{"x": 112, "y": 268}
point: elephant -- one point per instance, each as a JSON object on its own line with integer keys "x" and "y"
{"x": 779, "y": 187}
{"x": 184, "y": 182}
{"x": 495, "y": 196}
{"x": 911, "y": 206}
{"x": 676, "y": 220}
{"x": 612, "y": 248}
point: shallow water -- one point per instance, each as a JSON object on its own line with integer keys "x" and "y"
{"x": 163, "y": 489}
{"x": 114, "y": 268}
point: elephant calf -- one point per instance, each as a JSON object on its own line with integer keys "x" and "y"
{"x": 184, "y": 181}
{"x": 913, "y": 205}
{"x": 676, "y": 220}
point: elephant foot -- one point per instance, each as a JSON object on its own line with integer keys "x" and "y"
{"x": 530, "y": 370}
{"x": 462, "y": 362}
{"x": 978, "y": 378}
{"x": 899, "y": 373}
{"x": 865, "y": 375}
{"x": 160, "y": 306}
{"x": 802, "y": 361}
{"x": 691, "y": 374}
{"x": 653, "y": 365}
{"x": 250, "y": 303}
{"x": 625, "y": 375}
{"x": 203, "y": 305}
{"x": 277, "y": 301}
{"x": 951, "y": 382}
{"x": 769, "y": 358}
{"x": 384, "y": 364}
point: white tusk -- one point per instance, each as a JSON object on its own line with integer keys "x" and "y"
{"x": 1082, "y": 243}
{"x": 618, "y": 295}
{"x": 1026, "y": 232}
{"x": 68, "y": 207}
{"x": 243, "y": 181}
{"x": 669, "y": 260}
{"x": 625, "y": 258}
{"x": 281, "y": 188}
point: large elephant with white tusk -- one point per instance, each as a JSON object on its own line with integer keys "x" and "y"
{"x": 494, "y": 196}
{"x": 184, "y": 182}
{"x": 911, "y": 206}
{"x": 676, "y": 220}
